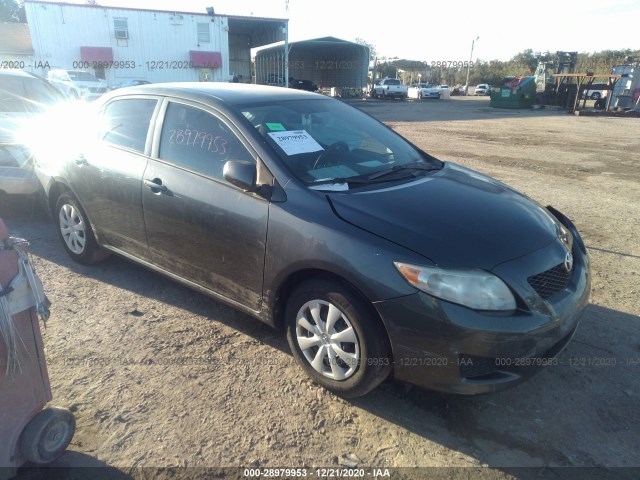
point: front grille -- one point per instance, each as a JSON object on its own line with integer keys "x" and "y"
{"x": 551, "y": 281}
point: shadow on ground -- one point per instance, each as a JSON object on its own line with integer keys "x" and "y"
{"x": 71, "y": 466}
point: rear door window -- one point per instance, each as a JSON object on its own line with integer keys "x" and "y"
{"x": 126, "y": 122}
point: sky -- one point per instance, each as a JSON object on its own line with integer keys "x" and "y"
{"x": 444, "y": 30}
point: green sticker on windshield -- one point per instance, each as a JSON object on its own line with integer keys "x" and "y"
{"x": 275, "y": 127}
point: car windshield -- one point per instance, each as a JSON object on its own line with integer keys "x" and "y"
{"x": 324, "y": 141}
{"x": 26, "y": 95}
{"x": 82, "y": 76}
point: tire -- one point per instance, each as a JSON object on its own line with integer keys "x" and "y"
{"x": 349, "y": 368}
{"x": 75, "y": 231}
{"x": 47, "y": 435}
{"x": 595, "y": 96}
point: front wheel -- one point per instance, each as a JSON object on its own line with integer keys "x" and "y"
{"x": 595, "y": 96}
{"x": 75, "y": 232}
{"x": 47, "y": 435}
{"x": 337, "y": 339}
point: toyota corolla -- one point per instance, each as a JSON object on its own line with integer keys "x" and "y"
{"x": 374, "y": 256}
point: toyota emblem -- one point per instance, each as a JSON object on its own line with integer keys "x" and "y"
{"x": 568, "y": 262}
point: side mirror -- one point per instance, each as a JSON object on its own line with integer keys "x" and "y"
{"x": 240, "y": 173}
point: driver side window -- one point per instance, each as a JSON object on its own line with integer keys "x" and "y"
{"x": 199, "y": 141}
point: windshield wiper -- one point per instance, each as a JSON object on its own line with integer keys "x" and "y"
{"x": 379, "y": 177}
{"x": 400, "y": 168}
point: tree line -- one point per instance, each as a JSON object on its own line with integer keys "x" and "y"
{"x": 495, "y": 71}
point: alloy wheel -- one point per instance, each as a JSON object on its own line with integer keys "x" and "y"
{"x": 72, "y": 228}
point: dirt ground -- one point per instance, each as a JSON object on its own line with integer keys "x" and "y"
{"x": 160, "y": 376}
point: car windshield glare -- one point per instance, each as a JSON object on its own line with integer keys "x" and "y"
{"x": 321, "y": 140}
{"x": 26, "y": 95}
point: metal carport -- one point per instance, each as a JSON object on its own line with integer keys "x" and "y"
{"x": 328, "y": 62}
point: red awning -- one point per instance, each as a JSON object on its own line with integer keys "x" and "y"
{"x": 96, "y": 54}
{"x": 205, "y": 59}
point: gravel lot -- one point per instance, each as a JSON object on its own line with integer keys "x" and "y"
{"x": 159, "y": 376}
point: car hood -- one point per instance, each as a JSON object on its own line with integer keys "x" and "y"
{"x": 455, "y": 217}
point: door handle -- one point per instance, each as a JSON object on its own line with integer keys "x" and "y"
{"x": 155, "y": 184}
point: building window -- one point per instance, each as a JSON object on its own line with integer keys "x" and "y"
{"x": 203, "y": 33}
{"x": 121, "y": 28}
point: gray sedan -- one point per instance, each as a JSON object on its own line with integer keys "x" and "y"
{"x": 374, "y": 256}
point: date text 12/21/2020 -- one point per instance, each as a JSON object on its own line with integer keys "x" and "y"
{"x": 149, "y": 64}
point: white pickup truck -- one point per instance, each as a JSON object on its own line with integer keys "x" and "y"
{"x": 390, "y": 88}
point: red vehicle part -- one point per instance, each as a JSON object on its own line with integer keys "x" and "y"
{"x": 27, "y": 432}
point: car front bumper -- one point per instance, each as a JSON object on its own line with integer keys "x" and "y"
{"x": 450, "y": 348}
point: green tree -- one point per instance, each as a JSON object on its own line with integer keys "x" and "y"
{"x": 527, "y": 58}
{"x": 12, "y": 11}
{"x": 373, "y": 52}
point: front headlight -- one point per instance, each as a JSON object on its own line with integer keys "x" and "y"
{"x": 472, "y": 288}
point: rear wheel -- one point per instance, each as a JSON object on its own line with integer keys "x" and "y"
{"x": 76, "y": 233}
{"x": 336, "y": 338}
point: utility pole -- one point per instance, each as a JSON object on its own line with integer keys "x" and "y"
{"x": 466, "y": 89}
{"x": 286, "y": 46}
{"x": 286, "y": 54}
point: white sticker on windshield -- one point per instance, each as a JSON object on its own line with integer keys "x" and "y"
{"x": 331, "y": 187}
{"x": 295, "y": 141}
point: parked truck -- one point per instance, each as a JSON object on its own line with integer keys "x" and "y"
{"x": 390, "y": 88}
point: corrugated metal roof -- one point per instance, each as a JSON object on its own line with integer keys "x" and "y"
{"x": 322, "y": 42}
{"x": 15, "y": 39}
{"x": 111, "y": 7}
{"x": 326, "y": 61}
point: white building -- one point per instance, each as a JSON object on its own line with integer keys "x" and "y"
{"x": 119, "y": 44}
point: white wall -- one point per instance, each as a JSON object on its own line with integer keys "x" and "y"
{"x": 59, "y": 30}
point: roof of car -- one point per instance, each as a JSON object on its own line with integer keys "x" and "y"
{"x": 230, "y": 93}
{"x": 16, "y": 73}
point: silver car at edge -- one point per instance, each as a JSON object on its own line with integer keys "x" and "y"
{"x": 22, "y": 95}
